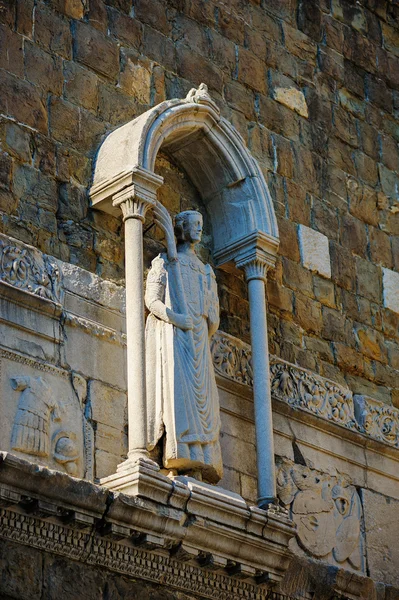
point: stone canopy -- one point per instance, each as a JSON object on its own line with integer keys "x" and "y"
{"x": 213, "y": 154}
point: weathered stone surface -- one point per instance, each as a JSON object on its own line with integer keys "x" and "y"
{"x": 108, "y": 405}
{"x": 391, "y": 289}
{"x": 96, "y": 51}
{"x": 381, "y": 530}
{"x": 327, "y": 511}
{"x": 314, "y": 248}
{"x": 293, "y": 99}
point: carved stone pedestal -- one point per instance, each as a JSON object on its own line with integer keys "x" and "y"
{"x": 203, "y": 524}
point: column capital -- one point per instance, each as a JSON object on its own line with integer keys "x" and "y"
{"x": 255, "y": 263}
{"x": 254, "y": 268}
{"x": 141, "y": 193}
{"x": 132, "y": 206}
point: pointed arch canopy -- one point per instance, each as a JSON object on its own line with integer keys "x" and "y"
{"x": 212, "y": 153}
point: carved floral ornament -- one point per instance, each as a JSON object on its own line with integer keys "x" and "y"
{"x": 27, "y": 269}
{"x": 307, "y": 391}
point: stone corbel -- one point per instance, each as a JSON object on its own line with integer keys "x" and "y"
{"x": 255, "y": 258}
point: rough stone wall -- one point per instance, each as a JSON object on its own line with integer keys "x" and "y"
{"x": 313, "y": 89}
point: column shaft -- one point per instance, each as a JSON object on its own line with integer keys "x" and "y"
{"x": 262, "y": 396}
{"x": 135, "y": 337}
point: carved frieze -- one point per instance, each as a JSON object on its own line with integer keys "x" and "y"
{"x": 308, "y": 391}
{"x": 312, "y": 393}
{"x": 28, "y": 269}
{"x": 232, "y": 358}
{"x": 125, "y": 559}
{"x": 378, "y": 420}
{"x": 327, "y": 511}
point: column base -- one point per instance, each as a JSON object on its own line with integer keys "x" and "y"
{"x": 266, "y": 502}
{"x": 135, "y": 457}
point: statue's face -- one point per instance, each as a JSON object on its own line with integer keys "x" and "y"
{"x": 193, "y": 227}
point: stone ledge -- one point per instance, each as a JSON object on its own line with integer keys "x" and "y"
{"x": 171, "y": 526}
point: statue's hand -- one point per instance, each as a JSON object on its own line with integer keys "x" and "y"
{"x": 181, "y": 321}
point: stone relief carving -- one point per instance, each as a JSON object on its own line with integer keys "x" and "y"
{"x": 232, "y": 358}
{"x": 42, "y": 416}
{"x": 377, "y": 420}
{"x": 327, "y": 512}
{"x": 36, "y": 407}
{"x": 314, "y": 394}
{"x": 27, "y": 269}
{"x": 182, "y": 397}
{"x": 308, "y": 391}
{"x": 32, "y": 428}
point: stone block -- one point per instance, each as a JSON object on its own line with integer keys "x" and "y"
{"x": 11, "y": 54}
{"x": 368, "y": 280}
{"x": 353, "y": 235}
{"x": 336, "y": 327}
{"x": 43, "y": 69}
{"x": 363, "y": 202}
{"x": 160, "y": 48}
{"x": 278, "y": 118}
{"x": 299, "y": 204}
{"x": 135, "y": 77}
{"x": 17, "y": 141}
{"x": 382, "y": 533}
{"x": 324, "y": 291}
{"x": 21, "y": 100}
{"x": 153, "y": 13}
{"x": 371, "y": 343}
{"x": 288, "y": 239}
{"x": 293, "y": 99}
{"x": 240, "y": 98}
{"x": 314, "y": 248}
{"x": 380, "y": 247}
{"x": 296, "y": 277}
{"x": 96, "y": 365}
{"x": 125, "y": 28}
{"x": 391, "y": 289}
{"x": 325, "y": 218}
{"x": 115, "y": 105}
{"x": 21, "y": 569}
{"x": 52, "y": 31}
{"x": 30, "y": 185}
{"x": 7, "y": 12}
{"x": 308, "y": 313}
{"x": 279, "y": 297}
{"x": 196, "y": 68}
{"x": 96, "y": 51}
{"x": 231, "y": 25}
{"x": 299, "y": 44}
{"x": 65, "y": 579}
{"x": 64, "y": 121}
{"x": 108, "y": 405}
{"x": 80, "y": 86}
{"x": 25, "y": 17}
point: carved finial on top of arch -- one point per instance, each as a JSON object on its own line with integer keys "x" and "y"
{"x": 202, "y": 96}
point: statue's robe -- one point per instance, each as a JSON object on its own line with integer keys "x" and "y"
{"x": 182, "y": 397}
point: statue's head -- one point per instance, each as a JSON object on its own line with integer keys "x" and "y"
{"x": 188, "y": 226}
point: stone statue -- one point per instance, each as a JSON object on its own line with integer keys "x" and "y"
{"x": 182, "y": 398}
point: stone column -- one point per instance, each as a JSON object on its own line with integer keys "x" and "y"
{"x": 134, "y": 202}
{"x": 255, "y": 273}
